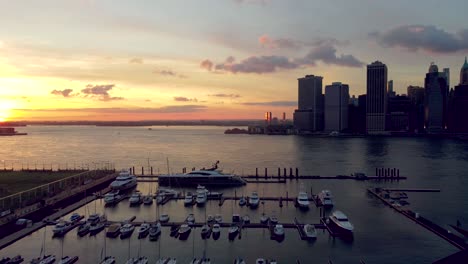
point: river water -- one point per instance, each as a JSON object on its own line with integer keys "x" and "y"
{"x": 381, "y": 235}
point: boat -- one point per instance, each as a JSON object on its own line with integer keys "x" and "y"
{"x": 174, "y": 230}
{"x": 108, "y": 260}
{"x": 278, "y": 230}
{"x": 165, "y": 192}
{"x": 218, "y": 219}
{"x": 14, "y": 260}
{"x": 139, "y": 260}
{"x": 302, "y": 200}
{"x": 260, "y": 261}
{"x": 210, "y": 219}
{"x": 97, "y": 228}
{"x": 166, "y": 261}
{"x": 47, "y": 259}
{"x": 205, "y": 231}
{"x": 200, "y": 261}
{"x": 154, "y": 231}
{"x": 340, "y": 221}
{"x": 148, "y": 200}
{"x": 112, "y": 198}
{"x": 239, "y": 261}
{"x": 216, "y": 230}
{"x": 246, "y": 219}
{"x": 184, "y": 231}
{"x": 135, "y": 199}
{"x": 75, "y": 217}
{"x": 242, "y": 201}
{"x": 202, "y": 195}
{"x": 205, "y": 177}
{"x": 83, "y": 229}
{"x": 326, "y": 198}
{"x": 254, "y": 201}
{"x": 68, "y": 260}
{"x": 113, "y": 230}
{"x": 273, "y": 261}
{"x": 273, "y": 220}
{"x": 96, "y": 218}
{"x": 61, "y": 228}
{"x": 143, "y": 230}
{"x": 124, "y": 181}
{"x": 236, "y": 218}
{"x": 310, "y": 231}
{"x": 188, "y": 201}
{"x": 264, "y": 219}
{"x": 233, "y": 231}
{"x": 126, "y": 230}
{"x": 164, "y": 218}
{"x": 190, "y": 219}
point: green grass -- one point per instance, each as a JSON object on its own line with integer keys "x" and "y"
{"x": 12, "y": 182}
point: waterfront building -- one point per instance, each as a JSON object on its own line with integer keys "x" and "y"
{"x": 459, "y": 103}
{"x": 310, "y": 113}
{"x": 336, "y": 107}
{"x": 391, "y": 92}
{"x": 436, "y": 99}
{"x": 357, "y": 116}
{"x": 416, "y": 95}
{"x": 399, "y": 111}
{"x": 376, "y": 105}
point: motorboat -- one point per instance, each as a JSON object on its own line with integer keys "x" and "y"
{"x": 246, "y": 219}
{"x": 83, "y": 229}
{"x": 278, "y": 230}
{"x": 184, "y": 231}
{"x": 61, "y": 228}
{"x": 148, "y": 200}
{"x": 108, "y": 260}
{"x": 202, "y": 195}
{"x": 310, "y": 231}
{"x": 205, "y": 231}
{"x": 216, "y": 230}
{"x": 236, "y": 218}
{"x": 254, "y": 200}
{"x": 124, "y": 181}
{"x": 95, "y": 229}
{"x": 205, "y": 177}
{"x": 68, "y": 260}
{"x": 273, "y": 220}
{"x": 139, "y": 260}
{"x": 113, "y": 230}
{"x": 154, "y": 231}
{"x": 233, "y": 231}
{"x": 135, "y": 199}
{"x": 164, "y": 218}
{"x": 340, "y": 221}
{"x": 174, "y": 230}
{"x": 326, "y": 198}
{"x": 95, "y": 218}
{"x": 242, "y": 201}
{"x": 190, "y": 219}
{"x": 218, "y": 218}
{"x": 273, "y": 261}
{"x": 112, "y": 198}
{"x": 166, "y": 261}
{"x": 239, "y": 261}
{"x": 143, "y": 230}
{"x": 126, "y": 230}
{"x": 75, "y": 217}
{"x": 302, "y": 200}
{"x": 47, "y": 259}
{"x": 14, "y": 260}
{"x": 200, "y": 261}
{"x": 260, "y": 261}
{"x": 210, "y": 219}
{"x": 264, "y": 219}
{"x": 188, "y": 201}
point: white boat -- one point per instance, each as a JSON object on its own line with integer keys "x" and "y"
{"x": 190, "y": 219}
{"x": 68, "y": 260}
{"x": 148, "y": 200}
{"x": 188, "y": 199}
{"x": 124, "y": 181}
{"x": 273, "y": 220}
{"x": 216, "y": 231}
{"x": 202, "y": 195}
{"x": 47, "y": 259}
{"x": 302, "y": 200}
{"x": 278, "y": 230}
{"x": 233, "y": 230}
{"x": 139, "y": 260}
{"x": 246, "y": 219}
{"x": 264, "y": 219}
{"x": 218, "y": 218}
{"x": 242, "y": 201}
{"x": 112, "y": 198}
{"x": 326, "y": 198}
{"x": 254, "y": 200}
{"x": 95, "y": 218}
{"x": 61, "y": 228}
{"x": 126, "y": 230}
{"x": 184, "y": 231}
{"x": 260, "y": 261}
{"x": 340, "y": 221}
{"x": 143, "y": 230}
{"x": 239, "y": 261}
{"x": 310, "y": 231}
{"x": 164, "y": 218}
{"x": 135, "y": 199}
{"x": 166, "y": 261}
{"x": 200, "y": 261}
{"x": 83, "y": 229}
{"x": 210, "y": 219}
{"x": 154, "y": 231}
{"x": 108, "y": 260}
{"x": 205, "y": 231}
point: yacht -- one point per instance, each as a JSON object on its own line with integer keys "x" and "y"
{"x": 154, "y": 231}
{"x": 112, "y": 198}
{"x": 135, "y": 199}
{"x": 124, "y": 181}
{"x": 310, "y": 231}
{"x": 278, "y": 230}
{"x": 254, "y": 201}
{"x": 210, "y": 219}
{"x": 205, "y": 177}
{"x": 83, "y": 229}
{"x": 148, "y": 200}
{"x": 164, "y": 218}
{"x": 326, "y": 198}
{"x": 242, "y": 201}
{"x": 273, "y": 220}
{"x": 188, "y": 201}
{"x": 340, "y": 221}
{"x": 61, "y": 228}
{"x": 143, "y": 230}
{"x": 126, "y": 230}
{"x": 216, "y": 230}
{"x": 108, "y": 260}
{"x": 190, "y": 219}
{"x": 184, "y": 231}
{"x": 218, "y": 219}
{"x": 68, "y": 260}
{"x": 205, "y": 231}
{"x": 303, "y": 200}
{"x": 202, "y": 195}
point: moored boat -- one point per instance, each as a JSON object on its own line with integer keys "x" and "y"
{"x": 188, "y": 200}
{"x": 184, "y": 231}
{"x": 278, "y": 230}
{"x": 113, "y": 230}
{"x": 205, "y": 231}
{"x": 190, "y": 219}
{"x": 143, "y": 230}
{"x": 340, "y": 222}
{"x": 254, "y": 200}
{"x": 216, "y": 230}
{"x": 302, "y": 200}
{"x": 154, "y": 231}
{"x": 164, "y": 218}
{"x": 242, "y": 201}
{"x": 310, "y": 231}
{"x": 326, "y": 198}
{"x": 126, "y": 230}
{"x": 124, "y": 181}
{"x": 68, "y": 260}
{"x": 108, "y": 260}
{"x": 83, "y": 229}
{"x": 135, "y": 199}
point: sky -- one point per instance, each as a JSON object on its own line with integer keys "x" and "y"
{"x": 210, "y": 59}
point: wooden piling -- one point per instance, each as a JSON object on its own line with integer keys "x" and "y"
{"x": 297, "y": 173}
{"x": 151, "y": 170}
{"x": 256, "y": 172}
{"x": 142, "y": 170}
{"x": 266, "y": 173}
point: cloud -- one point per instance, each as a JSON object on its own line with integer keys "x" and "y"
{"x": 272, "y": 103}
{"x": 184, "y": 99}
{"x": 101, "y": 92}
{"x": 423, "y": 37}
{"x": 136, "y": 60}
{"x": 169, "y": 73}
{"x": 257, "y": 64}
{"x": 117, "y": 110}
{"x": 221, "y": 95}
{"x": 207, "y": 64}
{"x": 327, "y": 54}
{"x": 280, "y": 43}
{"x": 64, "y": 93}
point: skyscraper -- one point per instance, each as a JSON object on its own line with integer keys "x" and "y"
{"x": 309, "y": 115}
{"x": 391, "y": 93}
{"x": 376, "y": 105}
{"x": 460, "y": 102}
{"x": 435, "y": 100}
{"x": 447, "y": 76}
{"x": 416, "y": 94}
{"x": 464, "y": 73}
{"x": 336, "y": 107}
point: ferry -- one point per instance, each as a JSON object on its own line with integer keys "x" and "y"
{"x": 124, "y": 181}
{"x": 205, "y": 177}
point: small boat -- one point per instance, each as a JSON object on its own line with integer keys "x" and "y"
{"x": 205, "y": 231}
{"x": 95, "y": 218}
{"x": 15, "y": 260}
{"x": 302, "y": 200}
{"x": 202, "y": 195}
{"x": 246, "y": 219}
{"x": 233, "y": 231}
{"x": 47, "y": 259}
{"x": 254, "y": 200}
{"x": 112, "y": 198}
{"x": 154, "y": 231}
{"x": 218, "y": 219}
{"x": 126, "y": 230}
{"x": 174, "y": 230}
{"x": 188, "y": 201}
{"x": 236, "y": 218}
{"x": 61, "y": 228}
{"x": 216, "y": 230}
{"x": 135, "y": 199}
{"x": 108, "y": 260}
{"x": 264, "y": 219}
{"x": 310, "y": 231}
{"x": 273, "y": 261}
{"x": 113, "y": 230}
{"x": 164, "y": 218}
{"x": 210, "y": 219}
{"x": 242, "y": 201}
{"x": 200, "y": 261}
{"x": 326, "y": 198}
{"x": 278, "y": 230}
{"x": 190, "y": 219}
{"x": 139, "y": 260}
{"x": 75, "y": 217}
{"x": 143, "y": 230}
{"x": 260, "y": 261}
{"x": 96, "y": 228}
{"x": 184, "y": 231}
{"x": 166, "y": 261}
{"x": 239, "y": 261}
{"x": 273, "y": 220}
{"x": 340, "y": 221}
{"x": 148, "y": 200}
{"x": 68, "y": 260}
{"x": 83, "y": 229}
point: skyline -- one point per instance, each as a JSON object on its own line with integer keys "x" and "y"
{"x": 230, "y": 59}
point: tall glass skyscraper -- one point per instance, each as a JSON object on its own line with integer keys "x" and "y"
{"x": 376, "y": 105}
{"x": 436, "y": 99}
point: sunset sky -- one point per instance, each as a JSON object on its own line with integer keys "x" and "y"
{"x": 210, "y": 59}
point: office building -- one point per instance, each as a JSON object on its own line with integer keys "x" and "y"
{"x": 376, "y": 105}
{"x": 416, "y": 95}
{"x": 459, "y": 104}
{"x": 336, "y": 107}
{"x": 309, "y": 115}
{"x": 436, "y": 98}
{"x": 391, "y": 92}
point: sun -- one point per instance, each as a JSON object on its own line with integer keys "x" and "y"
{"x": 5, "y": 110}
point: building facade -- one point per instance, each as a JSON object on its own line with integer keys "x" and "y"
{"x": 416, "y": 95}
{"x": 310, "y": 113}
{"x": 336, "y": 107}
{"x": 459, "y": 102}
{"x": 435, "y": 100}
{"x": 376, "y": 105}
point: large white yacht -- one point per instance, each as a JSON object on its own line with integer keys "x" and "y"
{"x": 340, "y": 221}
{"x": 326, "y": 198}
{"x": 205, "y": 177}
{"x": 124, "y": 181}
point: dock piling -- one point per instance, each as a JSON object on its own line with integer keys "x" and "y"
{"x": 151, "y": 170}
{"x": 297, "y": 173}
{"x": 266, "y": 172}
{"x": 256, "y": 172}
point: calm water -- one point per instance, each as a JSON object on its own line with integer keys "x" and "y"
{"x": 381, "y": 235}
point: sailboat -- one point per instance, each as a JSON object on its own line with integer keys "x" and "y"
{"x": 43, "y": 258}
